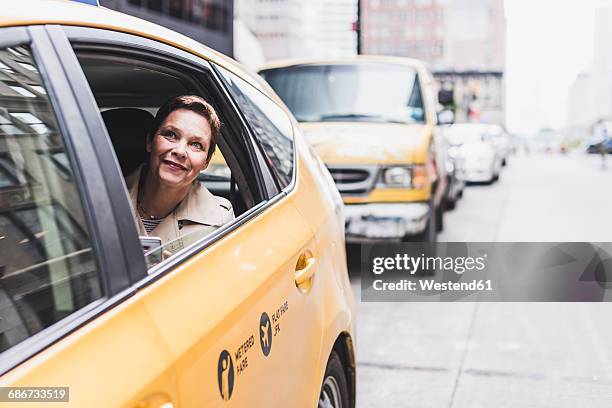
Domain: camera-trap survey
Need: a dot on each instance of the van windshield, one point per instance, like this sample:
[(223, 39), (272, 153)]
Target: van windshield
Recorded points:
[(372, 92)]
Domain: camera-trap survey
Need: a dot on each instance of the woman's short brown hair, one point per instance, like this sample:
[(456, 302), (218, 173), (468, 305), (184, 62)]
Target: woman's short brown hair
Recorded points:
[(195, 104)]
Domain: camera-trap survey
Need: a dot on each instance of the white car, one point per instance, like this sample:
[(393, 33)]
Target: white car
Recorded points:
[(500, 140), (481, 160)]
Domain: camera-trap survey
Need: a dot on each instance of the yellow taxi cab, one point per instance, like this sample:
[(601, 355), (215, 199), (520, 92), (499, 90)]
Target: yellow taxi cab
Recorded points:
[(372, 120), (258, 313)]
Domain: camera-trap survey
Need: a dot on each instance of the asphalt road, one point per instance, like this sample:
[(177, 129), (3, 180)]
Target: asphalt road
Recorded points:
[(500, 354)]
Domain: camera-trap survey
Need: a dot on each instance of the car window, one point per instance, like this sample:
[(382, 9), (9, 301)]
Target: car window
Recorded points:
[(269, 123), (47, 266), (129, 90)]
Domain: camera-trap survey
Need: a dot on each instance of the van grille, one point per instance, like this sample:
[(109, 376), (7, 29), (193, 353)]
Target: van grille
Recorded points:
[(354, 179)]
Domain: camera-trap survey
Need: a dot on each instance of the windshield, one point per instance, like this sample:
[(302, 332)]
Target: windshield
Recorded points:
[(366, 92)]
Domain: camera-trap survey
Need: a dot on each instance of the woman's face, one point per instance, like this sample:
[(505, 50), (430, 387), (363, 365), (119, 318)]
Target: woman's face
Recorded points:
[(179, 149)]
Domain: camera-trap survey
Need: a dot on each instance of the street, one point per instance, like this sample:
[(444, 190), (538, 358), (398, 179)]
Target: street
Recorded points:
[(500, 354)]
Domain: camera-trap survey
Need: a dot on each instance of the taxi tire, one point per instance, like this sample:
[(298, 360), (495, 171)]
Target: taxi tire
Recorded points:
[(440, 215), (430, 233), (452, 203), (334, 389)]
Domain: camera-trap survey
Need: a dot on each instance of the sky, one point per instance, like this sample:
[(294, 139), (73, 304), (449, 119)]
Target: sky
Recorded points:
[(549, 42)]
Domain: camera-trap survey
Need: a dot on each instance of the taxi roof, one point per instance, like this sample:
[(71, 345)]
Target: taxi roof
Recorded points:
[(348, 60), (65, 12)]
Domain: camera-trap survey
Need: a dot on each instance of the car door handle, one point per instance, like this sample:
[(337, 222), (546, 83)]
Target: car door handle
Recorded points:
[(304, 271)]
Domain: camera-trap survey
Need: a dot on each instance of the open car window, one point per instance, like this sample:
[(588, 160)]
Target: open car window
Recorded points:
[(129, 89)]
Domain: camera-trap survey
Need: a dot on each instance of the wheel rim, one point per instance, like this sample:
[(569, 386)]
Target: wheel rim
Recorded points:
[(330, 394)]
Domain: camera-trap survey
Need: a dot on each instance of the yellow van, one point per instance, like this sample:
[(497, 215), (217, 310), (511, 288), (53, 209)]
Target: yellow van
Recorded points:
[(372, 120), (257, 313)]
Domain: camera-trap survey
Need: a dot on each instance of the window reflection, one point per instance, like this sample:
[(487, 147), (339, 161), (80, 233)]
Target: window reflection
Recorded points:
[(47, 268), (269, 123)]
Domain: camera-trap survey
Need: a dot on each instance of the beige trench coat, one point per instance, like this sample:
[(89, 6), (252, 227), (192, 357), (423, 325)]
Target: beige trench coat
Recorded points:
[(199, 214)]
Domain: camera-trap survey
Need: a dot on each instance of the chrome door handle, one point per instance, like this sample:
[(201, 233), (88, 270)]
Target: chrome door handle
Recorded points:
[(305, 269)]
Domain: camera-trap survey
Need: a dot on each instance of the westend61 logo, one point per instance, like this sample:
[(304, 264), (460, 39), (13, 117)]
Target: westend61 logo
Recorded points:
[(424, 264)]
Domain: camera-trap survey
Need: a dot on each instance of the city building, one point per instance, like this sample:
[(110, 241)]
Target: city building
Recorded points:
[(461, 41), (207, 21), (581, 106), (590, 95), (294, 28)]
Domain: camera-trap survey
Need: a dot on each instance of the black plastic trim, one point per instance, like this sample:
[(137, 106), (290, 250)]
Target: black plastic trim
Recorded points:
[(88, 176), (112, 177)]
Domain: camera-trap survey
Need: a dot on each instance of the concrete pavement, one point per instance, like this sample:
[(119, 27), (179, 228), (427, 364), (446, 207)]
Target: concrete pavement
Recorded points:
[(500, 354)]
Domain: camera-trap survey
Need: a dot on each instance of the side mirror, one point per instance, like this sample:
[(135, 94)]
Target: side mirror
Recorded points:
[(446, 95), (446, 117)]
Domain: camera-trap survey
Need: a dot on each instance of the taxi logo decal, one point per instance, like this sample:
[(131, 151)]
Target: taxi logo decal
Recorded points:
[(265, 334), (225, 375)]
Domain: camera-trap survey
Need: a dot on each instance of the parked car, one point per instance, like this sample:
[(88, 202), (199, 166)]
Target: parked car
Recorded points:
[(500, 140), (372, 120), (595, 147), (482, 162), (229, 316)]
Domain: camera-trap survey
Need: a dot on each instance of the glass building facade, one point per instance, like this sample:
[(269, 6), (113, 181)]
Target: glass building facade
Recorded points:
[(207, 21)]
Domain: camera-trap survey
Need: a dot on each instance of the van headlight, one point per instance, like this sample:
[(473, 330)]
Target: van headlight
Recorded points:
[(396, 177), (413, 176)]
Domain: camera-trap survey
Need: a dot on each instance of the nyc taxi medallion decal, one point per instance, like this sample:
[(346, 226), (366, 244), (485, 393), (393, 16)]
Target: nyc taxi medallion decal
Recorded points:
[(265, 334), (267, 329), (225, 375)]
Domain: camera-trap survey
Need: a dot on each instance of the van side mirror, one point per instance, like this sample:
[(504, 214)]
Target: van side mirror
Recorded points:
[(446, 95)]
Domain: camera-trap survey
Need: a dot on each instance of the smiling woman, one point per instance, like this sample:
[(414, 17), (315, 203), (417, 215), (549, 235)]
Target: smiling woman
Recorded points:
[(167, 199)]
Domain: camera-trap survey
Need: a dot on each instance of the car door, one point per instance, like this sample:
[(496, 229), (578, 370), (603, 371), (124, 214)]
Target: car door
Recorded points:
[(237, 309), (67, 318)]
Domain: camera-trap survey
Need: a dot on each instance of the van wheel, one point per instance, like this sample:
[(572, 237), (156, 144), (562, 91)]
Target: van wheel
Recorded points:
[(430, 233), (334, 390)]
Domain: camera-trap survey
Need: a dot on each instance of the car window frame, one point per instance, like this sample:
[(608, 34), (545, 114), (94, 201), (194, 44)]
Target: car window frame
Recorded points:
[(91, 35), (103, 234), (138, 44)]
